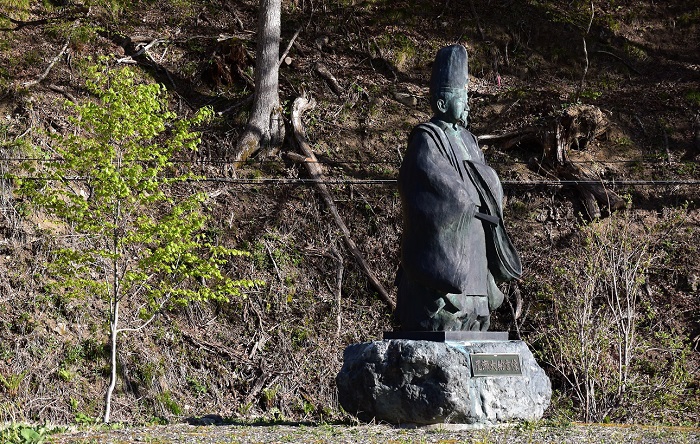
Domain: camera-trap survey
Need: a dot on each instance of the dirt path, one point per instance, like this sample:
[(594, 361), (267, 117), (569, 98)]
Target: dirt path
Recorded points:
[(328, 433)]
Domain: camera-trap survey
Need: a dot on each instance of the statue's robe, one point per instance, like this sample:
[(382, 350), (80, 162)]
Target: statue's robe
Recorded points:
[(454, 248)]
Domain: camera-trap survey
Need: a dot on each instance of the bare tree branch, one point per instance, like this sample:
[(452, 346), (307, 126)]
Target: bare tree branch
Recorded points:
[(585, 52), (301, 104)]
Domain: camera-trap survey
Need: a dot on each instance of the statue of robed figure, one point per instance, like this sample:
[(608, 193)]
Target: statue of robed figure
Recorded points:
[(454, 247)]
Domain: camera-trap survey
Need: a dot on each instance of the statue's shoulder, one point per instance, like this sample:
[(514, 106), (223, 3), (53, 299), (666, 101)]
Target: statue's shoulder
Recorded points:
[(427, 127), (419, 130), (427, 132)]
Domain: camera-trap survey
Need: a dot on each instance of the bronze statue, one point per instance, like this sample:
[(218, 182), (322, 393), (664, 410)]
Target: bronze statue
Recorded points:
[(454, 248)]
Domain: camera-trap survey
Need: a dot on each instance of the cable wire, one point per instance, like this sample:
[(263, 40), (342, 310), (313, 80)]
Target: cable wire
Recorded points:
[(356, 162), (338, 181)]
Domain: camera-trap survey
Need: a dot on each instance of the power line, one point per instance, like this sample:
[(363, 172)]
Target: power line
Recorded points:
[(601, 182), (267, 181), (338, 181), (358, 162)]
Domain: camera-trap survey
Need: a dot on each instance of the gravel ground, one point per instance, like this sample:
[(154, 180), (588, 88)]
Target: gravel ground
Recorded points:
[(574, 434)]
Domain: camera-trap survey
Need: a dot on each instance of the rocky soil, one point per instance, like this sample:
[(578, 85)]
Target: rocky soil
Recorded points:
[(330, 433)]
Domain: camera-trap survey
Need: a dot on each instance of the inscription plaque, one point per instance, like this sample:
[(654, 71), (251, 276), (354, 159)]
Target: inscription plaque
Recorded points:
[(488, 364)]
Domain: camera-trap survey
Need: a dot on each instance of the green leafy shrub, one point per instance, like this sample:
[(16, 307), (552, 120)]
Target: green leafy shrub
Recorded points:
[(12, 382), (169, 403), (25, 434), (135, 235)]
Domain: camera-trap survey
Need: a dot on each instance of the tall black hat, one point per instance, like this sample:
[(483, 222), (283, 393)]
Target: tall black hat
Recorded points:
[(449, 69)]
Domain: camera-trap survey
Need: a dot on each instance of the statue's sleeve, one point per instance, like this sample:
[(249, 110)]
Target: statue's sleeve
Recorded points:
[(503, 260), (438, 209)]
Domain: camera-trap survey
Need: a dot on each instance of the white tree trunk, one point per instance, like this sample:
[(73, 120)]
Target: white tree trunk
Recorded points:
[(113, 326), (265, 129)]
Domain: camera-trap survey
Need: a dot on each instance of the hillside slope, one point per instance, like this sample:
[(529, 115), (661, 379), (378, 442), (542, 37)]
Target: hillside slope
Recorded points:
[(276, 353)]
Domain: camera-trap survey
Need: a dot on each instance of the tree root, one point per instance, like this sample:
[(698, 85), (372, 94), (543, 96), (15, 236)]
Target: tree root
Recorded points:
[(575, 127)]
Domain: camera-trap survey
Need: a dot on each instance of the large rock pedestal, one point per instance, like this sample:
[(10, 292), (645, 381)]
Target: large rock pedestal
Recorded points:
[(424, 382)]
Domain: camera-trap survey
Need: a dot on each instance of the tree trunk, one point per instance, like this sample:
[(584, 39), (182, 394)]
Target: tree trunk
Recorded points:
[(113, 328), (114, 308), (265, 128)]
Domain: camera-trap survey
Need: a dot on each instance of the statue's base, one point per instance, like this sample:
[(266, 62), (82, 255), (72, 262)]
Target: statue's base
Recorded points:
[(427, 382)]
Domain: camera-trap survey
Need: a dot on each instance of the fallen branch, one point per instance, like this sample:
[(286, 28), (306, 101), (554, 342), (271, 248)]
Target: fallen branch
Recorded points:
[(215, 348), (517, 310), (272, 258), (246, 78), (329, 78), (141, 50), (301, 105), (236, 105), (21, 23), (62, 90), (624, 62), (258, 386), (497, 138), (136, 52), (289, 46), (48, 68)]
